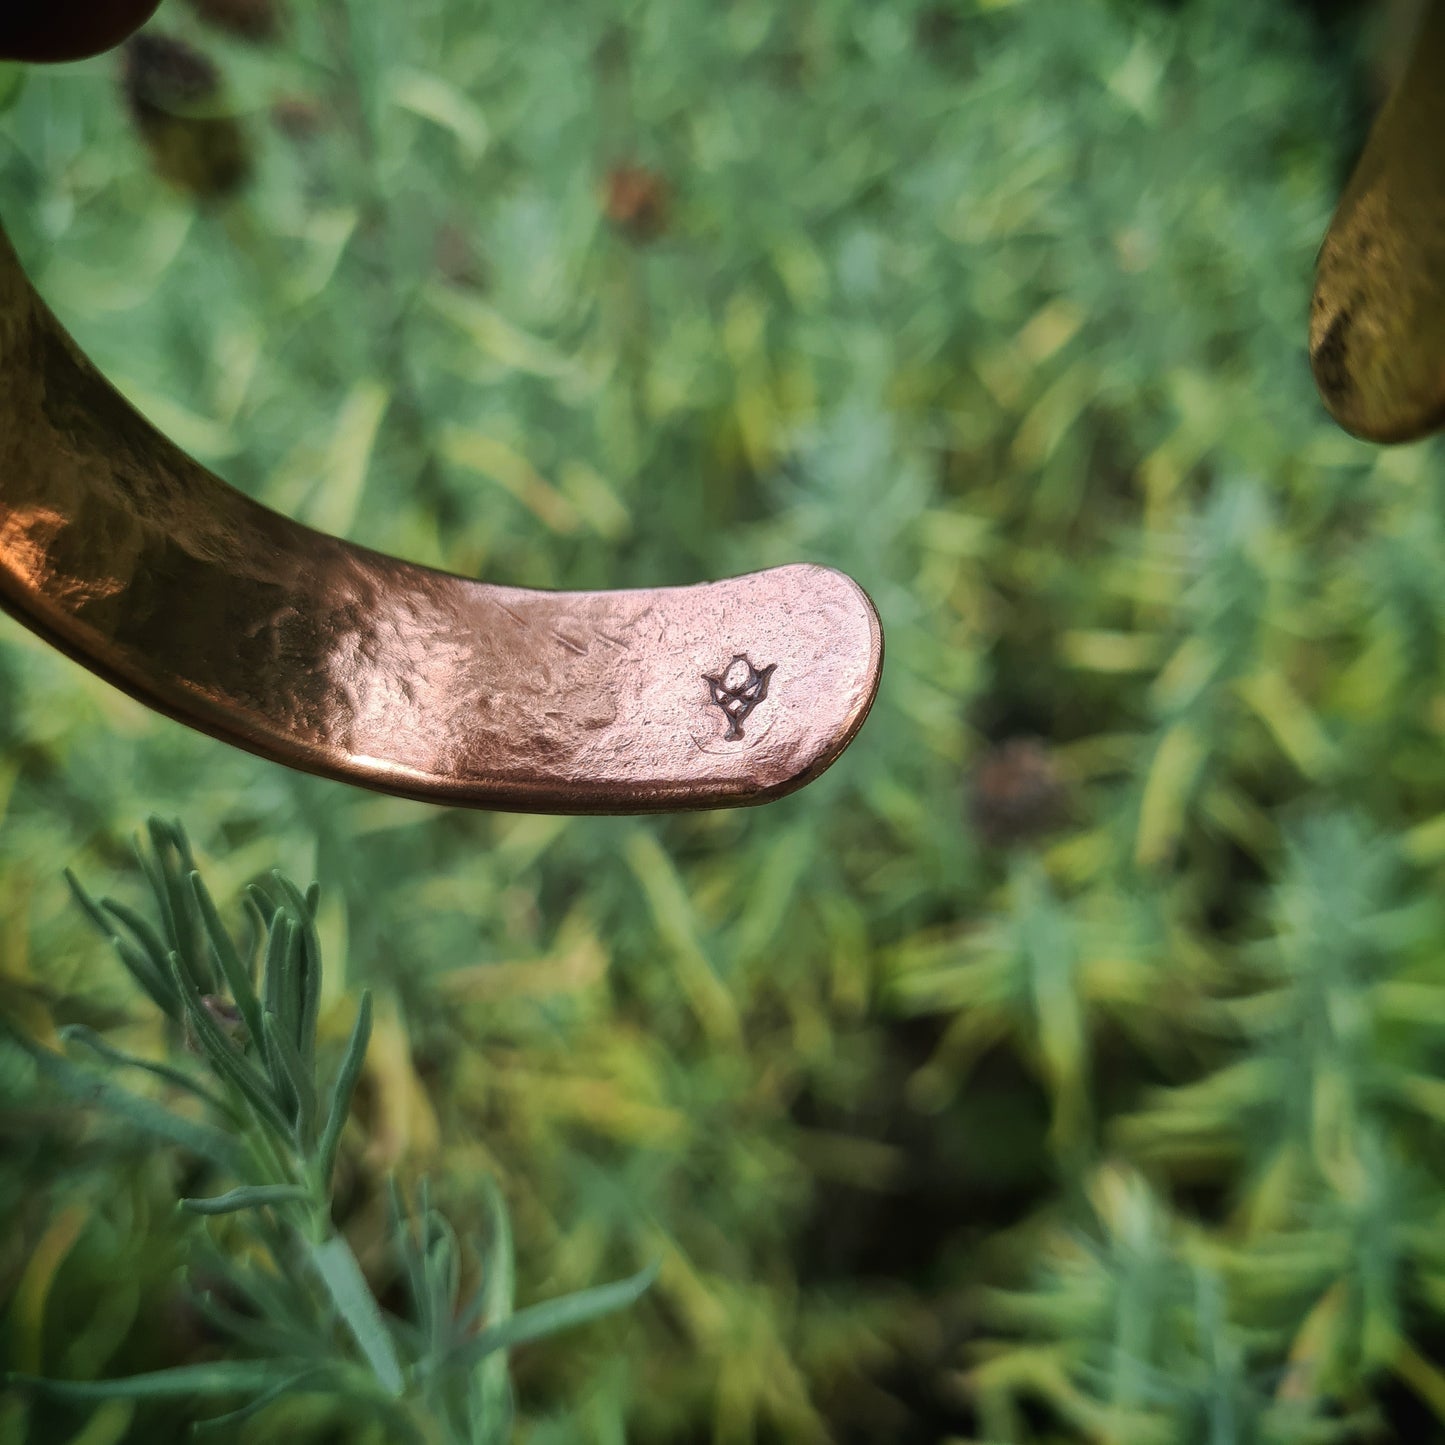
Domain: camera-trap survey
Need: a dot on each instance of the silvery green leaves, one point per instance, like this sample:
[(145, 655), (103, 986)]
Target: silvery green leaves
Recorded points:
[(460, 1364), (249, 1008), (283, 1283)]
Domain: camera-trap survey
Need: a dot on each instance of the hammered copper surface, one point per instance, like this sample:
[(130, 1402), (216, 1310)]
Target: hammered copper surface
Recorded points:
[(147, 569), (1377, 325)]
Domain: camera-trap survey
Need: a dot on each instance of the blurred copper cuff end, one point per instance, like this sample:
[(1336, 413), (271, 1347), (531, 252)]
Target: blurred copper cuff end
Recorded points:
[(1377, 323)]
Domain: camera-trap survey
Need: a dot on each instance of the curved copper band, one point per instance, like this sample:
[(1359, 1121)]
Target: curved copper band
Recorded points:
[(132, 558), (1377, 324)]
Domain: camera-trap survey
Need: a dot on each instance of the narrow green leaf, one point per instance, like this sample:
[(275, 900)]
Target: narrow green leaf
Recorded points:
[(310, 977), (446, 1252), (346, 1284), (237, 977), (78, 1033), (255, 937), (178, 909), (183, 846), (313, 898), (491, 1386), (441, 1274), (317, 1378), (152, 980), (224, 1056), (247, 1196), (408, 1245), (162, 841), (491, 1407), (554, 1315), (156, 878), (92, 1088), (88, 905), (494, 1300), (340, 1106), (309, 981), (278, 946), (285, 1299), (265, 904), (255, 1333), (288, 1071), (160, 991), (221, 1377), (146, 958), (177, 871), (500, 1285), (282, 1084), (146, 936)]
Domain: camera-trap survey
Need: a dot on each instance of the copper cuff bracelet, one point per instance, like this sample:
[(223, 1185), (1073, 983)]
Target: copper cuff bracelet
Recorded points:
[(124, 553)]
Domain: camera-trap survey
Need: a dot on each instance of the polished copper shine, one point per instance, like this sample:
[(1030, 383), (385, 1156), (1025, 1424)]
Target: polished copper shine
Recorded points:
[(149, 570)]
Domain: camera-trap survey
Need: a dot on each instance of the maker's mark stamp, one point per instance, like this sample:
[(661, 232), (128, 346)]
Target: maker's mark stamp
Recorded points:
[(737, 690)]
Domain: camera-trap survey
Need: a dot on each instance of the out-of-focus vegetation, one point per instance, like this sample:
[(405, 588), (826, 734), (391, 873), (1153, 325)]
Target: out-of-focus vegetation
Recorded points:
[(1069, 1062)]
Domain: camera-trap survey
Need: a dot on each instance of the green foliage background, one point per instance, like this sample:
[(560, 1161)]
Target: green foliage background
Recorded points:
[(1129, 1133)]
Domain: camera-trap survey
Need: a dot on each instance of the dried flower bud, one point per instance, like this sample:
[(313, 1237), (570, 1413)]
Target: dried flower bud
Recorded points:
[(636, 200), (255, 20), (176, 98), (224, 1014), (1017, 793)]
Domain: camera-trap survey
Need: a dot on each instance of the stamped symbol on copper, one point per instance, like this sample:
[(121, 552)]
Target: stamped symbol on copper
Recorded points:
[(737, 690)]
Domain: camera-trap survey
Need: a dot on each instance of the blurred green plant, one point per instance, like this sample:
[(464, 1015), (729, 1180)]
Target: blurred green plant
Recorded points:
[(1000, 307), (1127, 1334), (284, 1286)]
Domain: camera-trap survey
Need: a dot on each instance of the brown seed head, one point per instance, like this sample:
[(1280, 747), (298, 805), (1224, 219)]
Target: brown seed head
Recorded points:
[(637, 201), (1017, 793)]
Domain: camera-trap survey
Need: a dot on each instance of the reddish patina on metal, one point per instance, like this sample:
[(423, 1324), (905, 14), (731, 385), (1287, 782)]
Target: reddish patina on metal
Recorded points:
[(146, 568)]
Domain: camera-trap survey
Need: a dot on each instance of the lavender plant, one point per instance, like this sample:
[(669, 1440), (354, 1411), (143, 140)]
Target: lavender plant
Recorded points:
[(252, 1099)]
